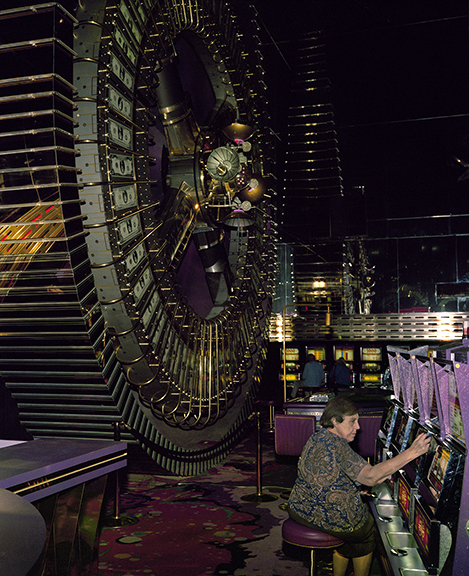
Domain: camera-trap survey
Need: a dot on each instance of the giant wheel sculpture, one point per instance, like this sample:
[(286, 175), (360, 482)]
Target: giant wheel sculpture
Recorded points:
[(138, 252)]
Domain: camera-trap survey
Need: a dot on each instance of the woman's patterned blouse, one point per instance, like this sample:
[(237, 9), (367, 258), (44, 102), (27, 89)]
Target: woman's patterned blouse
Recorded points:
[(325, 492)]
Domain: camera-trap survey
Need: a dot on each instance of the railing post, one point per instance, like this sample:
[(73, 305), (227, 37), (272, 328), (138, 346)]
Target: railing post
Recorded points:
[(118, 520), (259, 496)]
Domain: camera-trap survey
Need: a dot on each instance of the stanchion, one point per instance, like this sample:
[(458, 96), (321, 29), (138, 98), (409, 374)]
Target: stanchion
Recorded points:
[(118, 520), (259, 496)]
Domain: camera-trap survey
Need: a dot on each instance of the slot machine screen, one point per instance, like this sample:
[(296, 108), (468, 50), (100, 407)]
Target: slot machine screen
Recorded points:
[(345, 352), (437, 471), (379, 450), (292, 355), (389, 419), (403, 497), (399, 431), (422, 527), (319, 353), (415, 430), (411, 433), (371, 354)]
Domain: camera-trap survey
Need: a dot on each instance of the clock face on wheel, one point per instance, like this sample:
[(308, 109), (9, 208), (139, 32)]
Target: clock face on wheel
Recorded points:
[(176, 184)]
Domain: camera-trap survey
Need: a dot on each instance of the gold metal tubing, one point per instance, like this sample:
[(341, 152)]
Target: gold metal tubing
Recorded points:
[(52, 239), (179, 342), (150, 402), (35, 96), (116, 182), (158, 347), (39, 149), (186, 358), (120, 299), (36, 113), (131, 362), (23, 133), (138, 384)]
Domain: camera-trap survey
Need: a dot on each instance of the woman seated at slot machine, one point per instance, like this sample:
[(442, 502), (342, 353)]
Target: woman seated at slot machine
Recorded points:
[(341, 375), (327, 495)]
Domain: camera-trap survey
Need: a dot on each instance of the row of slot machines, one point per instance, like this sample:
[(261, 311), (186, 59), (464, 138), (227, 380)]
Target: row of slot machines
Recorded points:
[(366, 362), (422, 511)]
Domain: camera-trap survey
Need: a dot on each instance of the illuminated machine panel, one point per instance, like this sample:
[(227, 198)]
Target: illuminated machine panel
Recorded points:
[(422, 516), (404, 497), (137, 255), (437, 472), (426, 530), (318, 351), (371, 365), (345, 352), (399, 431), (292, 365)]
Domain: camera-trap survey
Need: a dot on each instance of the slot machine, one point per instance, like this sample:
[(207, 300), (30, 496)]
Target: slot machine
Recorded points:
[(393, 415), (348, 354), (371, 366), (290, 367), (403, 411), (319, 353), (422, 511)]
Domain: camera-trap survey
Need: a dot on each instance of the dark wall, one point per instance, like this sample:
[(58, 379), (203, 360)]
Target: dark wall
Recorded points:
[(10, 426)]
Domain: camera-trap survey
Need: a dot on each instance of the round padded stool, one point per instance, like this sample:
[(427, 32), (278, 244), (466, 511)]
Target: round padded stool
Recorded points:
[(306, 537)]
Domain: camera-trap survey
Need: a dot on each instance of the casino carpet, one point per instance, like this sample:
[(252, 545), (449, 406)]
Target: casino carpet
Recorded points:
[(201, 526)]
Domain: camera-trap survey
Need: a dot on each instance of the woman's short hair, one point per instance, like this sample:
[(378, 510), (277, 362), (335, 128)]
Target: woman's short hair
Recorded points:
[(338, 407)]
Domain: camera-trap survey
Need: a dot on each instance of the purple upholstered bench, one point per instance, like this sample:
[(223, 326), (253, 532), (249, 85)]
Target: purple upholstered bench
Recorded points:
[(291, 433)]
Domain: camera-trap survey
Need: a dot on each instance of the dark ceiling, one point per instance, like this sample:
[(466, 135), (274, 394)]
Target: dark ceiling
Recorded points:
[(400, 93), (400, 90)]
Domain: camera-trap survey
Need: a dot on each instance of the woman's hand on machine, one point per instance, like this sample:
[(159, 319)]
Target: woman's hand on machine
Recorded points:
[(420, 445)]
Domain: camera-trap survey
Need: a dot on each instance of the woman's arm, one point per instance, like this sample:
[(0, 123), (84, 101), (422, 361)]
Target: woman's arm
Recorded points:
[(371, 475)]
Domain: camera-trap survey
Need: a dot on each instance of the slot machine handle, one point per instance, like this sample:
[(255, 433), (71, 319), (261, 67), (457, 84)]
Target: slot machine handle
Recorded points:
[(399, 552)]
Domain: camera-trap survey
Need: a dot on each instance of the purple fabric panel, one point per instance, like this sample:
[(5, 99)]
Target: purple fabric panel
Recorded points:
[(291, 433), (366, 437)]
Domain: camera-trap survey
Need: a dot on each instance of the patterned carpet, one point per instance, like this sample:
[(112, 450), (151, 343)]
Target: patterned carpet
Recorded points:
[(201, 526)]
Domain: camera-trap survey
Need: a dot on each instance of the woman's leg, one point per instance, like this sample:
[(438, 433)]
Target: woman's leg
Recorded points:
[(339, 564), (362, 565)]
